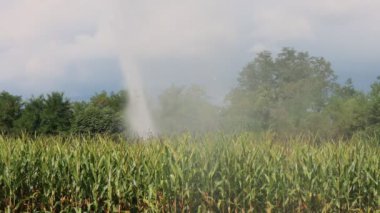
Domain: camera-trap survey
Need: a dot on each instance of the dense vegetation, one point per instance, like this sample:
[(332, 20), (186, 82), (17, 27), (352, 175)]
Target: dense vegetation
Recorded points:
[(54, 114), (290, 93), (294, 140), (239, 173), (294, 93)]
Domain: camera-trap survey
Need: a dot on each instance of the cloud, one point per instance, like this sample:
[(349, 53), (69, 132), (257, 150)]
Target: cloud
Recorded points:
[(39, 40), (165, 28)]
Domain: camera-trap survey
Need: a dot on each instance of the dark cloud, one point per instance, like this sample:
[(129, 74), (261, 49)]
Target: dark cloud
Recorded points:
[(73, 45)]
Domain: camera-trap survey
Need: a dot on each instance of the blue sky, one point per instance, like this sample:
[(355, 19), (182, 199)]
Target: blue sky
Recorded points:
[(75, 46)]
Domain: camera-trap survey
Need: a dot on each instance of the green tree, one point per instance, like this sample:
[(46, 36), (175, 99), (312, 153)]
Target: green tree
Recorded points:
[(31, 116), (186, 109), (95, 120), (373, 114), (116, 101), (10, 111), (347, 110), (103, 114), (285, 94), (57, 114)]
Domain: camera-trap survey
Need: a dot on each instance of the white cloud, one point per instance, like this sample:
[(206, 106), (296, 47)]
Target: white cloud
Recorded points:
[(39, 38), (174, 27)]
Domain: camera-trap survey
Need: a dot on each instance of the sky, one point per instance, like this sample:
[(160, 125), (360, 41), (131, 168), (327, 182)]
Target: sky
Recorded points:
[(75, 46)]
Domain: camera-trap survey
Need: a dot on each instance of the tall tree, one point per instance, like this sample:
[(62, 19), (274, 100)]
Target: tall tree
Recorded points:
[(10, 111), (103, 114), (346, 110), (115, 101), (31, 117), (186, 109), (57, 114), (95, 120), (285, 93), (373, 117)]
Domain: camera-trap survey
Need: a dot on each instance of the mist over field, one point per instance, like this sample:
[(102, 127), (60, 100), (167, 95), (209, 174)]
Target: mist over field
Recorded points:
[(153, 49), (181, 43), (189, 106)]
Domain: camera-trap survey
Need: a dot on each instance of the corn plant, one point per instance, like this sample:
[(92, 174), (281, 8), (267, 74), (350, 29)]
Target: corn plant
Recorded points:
[(187, 173)]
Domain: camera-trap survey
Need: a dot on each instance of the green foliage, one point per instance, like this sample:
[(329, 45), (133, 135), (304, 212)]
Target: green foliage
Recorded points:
[(54, 114), (96, 120), (10, 110), (285, 94), (289, 93), (57, 115), (103, 114), (31, 116), (115, 101), (186, 109), (214, 173), (347, 110), (373, 114)]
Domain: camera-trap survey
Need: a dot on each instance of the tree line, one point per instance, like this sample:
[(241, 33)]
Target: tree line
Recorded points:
[(54, 114), (295, 92), (289, 93)]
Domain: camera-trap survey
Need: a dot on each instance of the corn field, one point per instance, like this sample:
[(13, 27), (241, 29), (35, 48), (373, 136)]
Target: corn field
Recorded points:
[(215, 173)]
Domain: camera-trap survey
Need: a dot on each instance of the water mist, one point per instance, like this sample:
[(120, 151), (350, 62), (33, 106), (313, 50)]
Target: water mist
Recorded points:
[(145, 30), (125, 21), (138, 114)]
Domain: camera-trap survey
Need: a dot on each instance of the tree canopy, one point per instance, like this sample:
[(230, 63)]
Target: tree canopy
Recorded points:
[(186, 109), (283, 93), (10, 111), (291, 92), (54, 114), (294, 92)]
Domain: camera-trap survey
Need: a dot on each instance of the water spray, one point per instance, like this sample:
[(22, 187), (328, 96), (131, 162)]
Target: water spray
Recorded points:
[(138, 114)]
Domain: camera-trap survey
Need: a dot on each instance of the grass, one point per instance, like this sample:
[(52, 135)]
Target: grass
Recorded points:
[(243, 172)]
